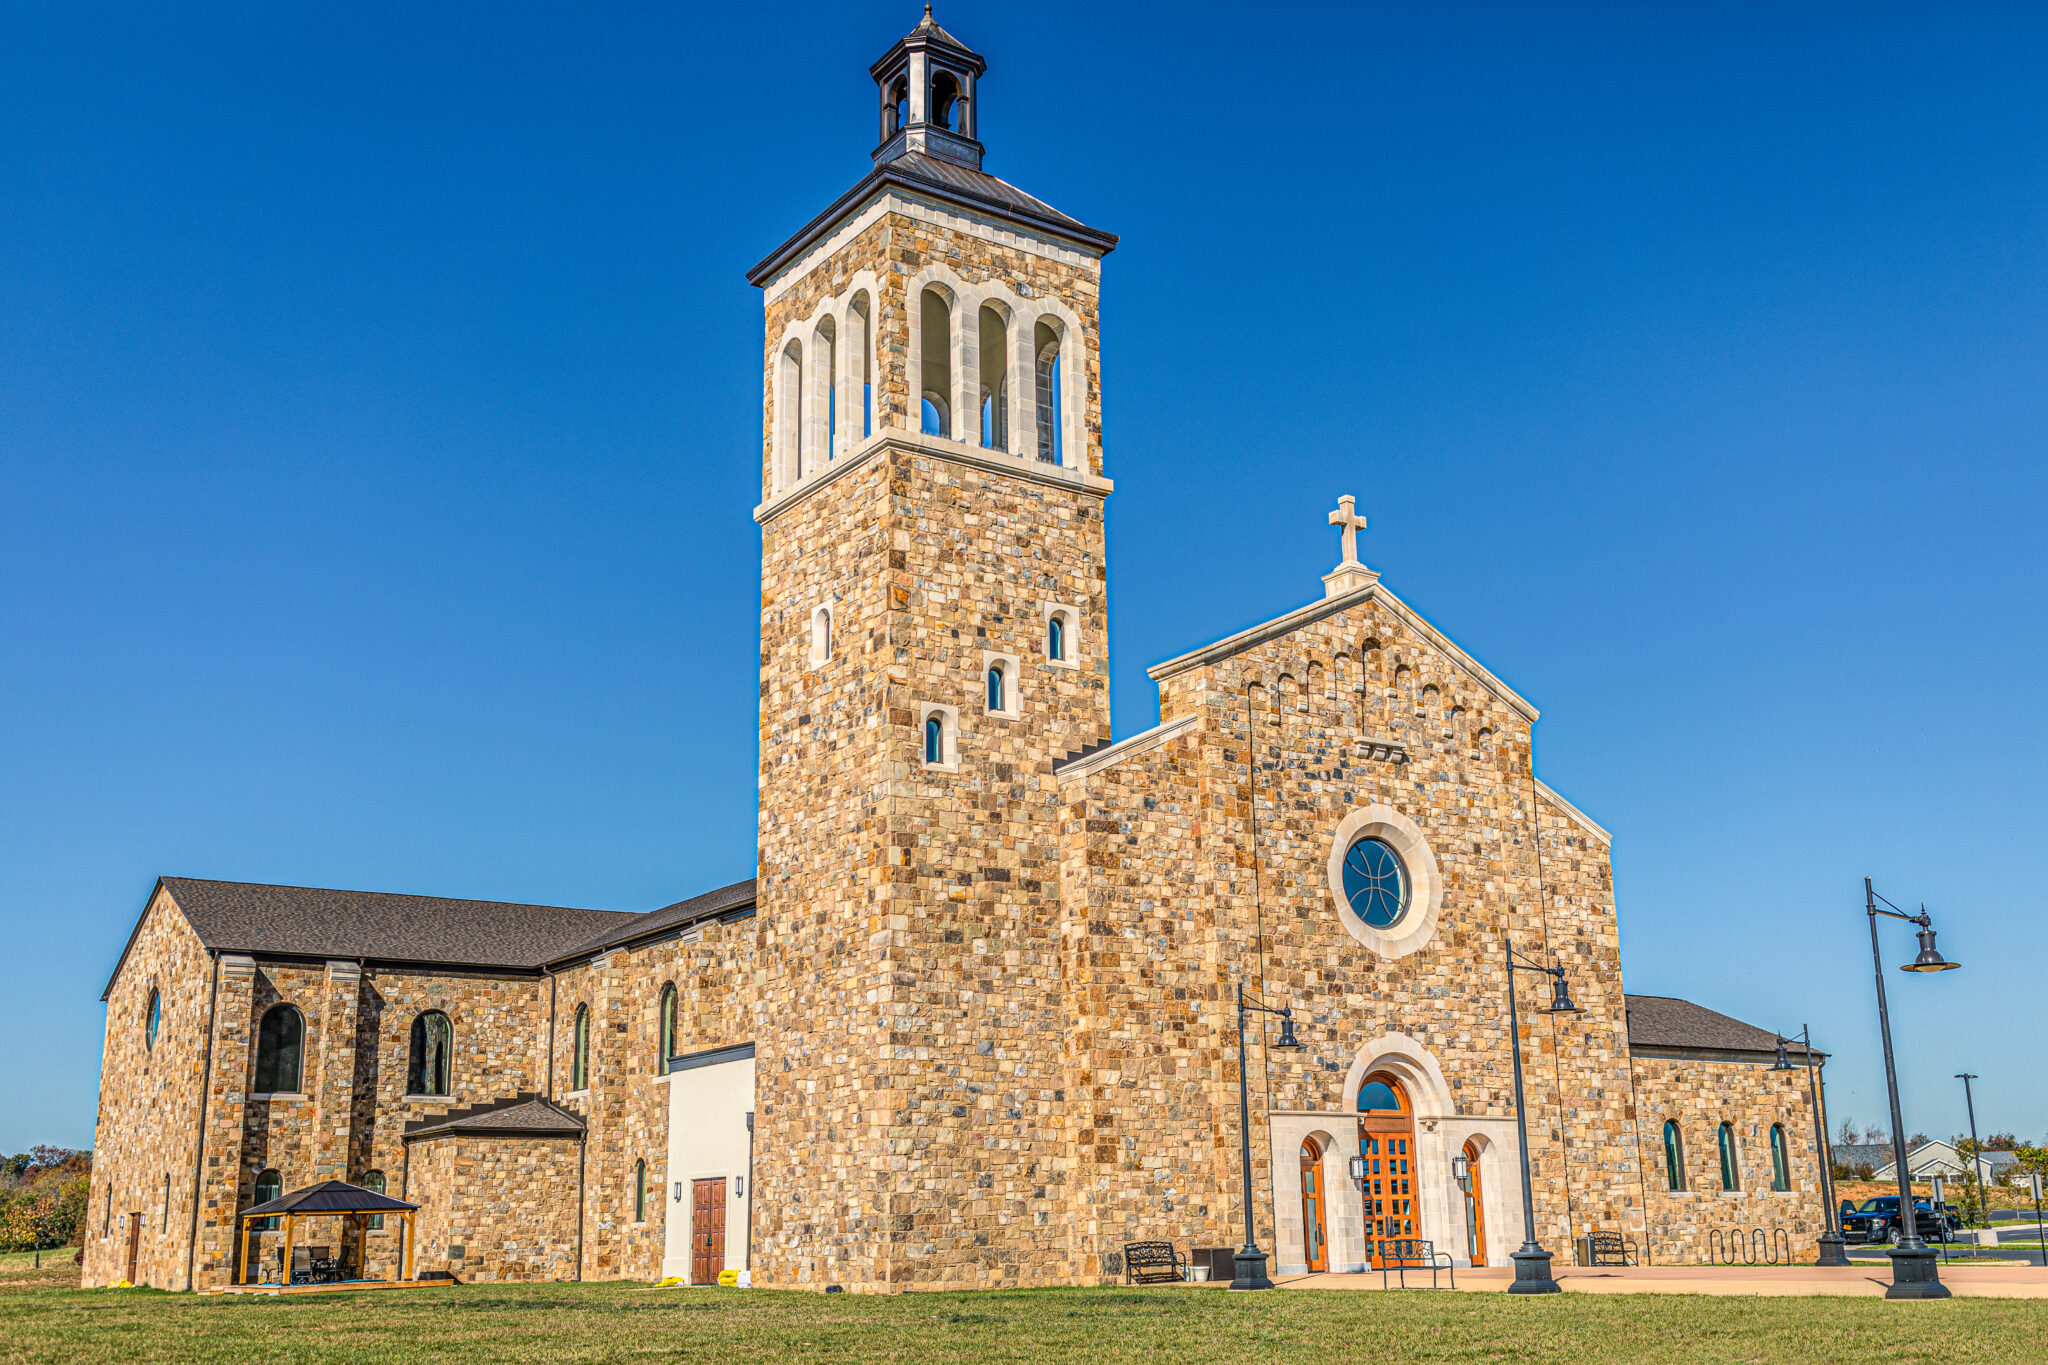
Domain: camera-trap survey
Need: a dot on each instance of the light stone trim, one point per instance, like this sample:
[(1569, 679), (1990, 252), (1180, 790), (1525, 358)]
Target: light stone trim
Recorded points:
[(1316, 611), (237, 967), (1415, 929), (893, 199), (1569, 809), (1142, 742), (1031, 470)]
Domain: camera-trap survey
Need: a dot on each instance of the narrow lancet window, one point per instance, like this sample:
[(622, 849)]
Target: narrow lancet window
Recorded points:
[(1056, 639), (995, 386), (934, 740), (935, 342), (1046, 365), (995, 689), (433, 1043), (579, 1057)]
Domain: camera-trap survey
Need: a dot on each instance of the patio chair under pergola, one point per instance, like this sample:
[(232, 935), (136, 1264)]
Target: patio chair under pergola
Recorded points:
[(329, 1198)]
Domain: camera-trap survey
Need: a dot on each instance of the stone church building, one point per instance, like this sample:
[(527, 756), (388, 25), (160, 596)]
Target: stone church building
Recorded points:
[(974, 1021)]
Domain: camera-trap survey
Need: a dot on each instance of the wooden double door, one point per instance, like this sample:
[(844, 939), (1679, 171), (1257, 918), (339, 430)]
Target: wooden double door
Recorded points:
[(1386, 1139), (707, 1230)]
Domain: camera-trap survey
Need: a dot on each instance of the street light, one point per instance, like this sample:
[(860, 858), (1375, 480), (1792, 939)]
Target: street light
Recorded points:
[(1251, 1262), (1976, 1155), (1532, 1262), (1832, 1249), (1916, 1273)]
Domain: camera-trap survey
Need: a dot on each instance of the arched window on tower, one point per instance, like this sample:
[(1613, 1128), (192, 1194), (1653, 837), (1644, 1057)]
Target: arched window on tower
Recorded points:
[(1056, 637), (1045, 350), (280, 1051), (935, 342), (433, 1044), (995, 379), (579, 1055), (997, 697), (821, 634), (861, 338), (789, 413), (1674, 1157), (899, 107)]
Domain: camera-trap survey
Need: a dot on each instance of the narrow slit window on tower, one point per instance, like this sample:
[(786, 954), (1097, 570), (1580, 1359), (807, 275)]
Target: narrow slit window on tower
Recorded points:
[(1056, 639), (1046, 366), (935, 338), (934, 740), (640, 1191), (666, 1047), (995, 375), (997, 697), (821, 634)]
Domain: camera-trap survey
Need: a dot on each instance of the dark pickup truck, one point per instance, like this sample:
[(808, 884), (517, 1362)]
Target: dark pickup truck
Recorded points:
[(1878, 1221)]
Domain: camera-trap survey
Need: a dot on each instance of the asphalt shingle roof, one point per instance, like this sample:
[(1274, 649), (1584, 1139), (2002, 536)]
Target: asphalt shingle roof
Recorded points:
[(526, 1115), (330, 1196), (304, 921), (726, 898), (1666, 1021)]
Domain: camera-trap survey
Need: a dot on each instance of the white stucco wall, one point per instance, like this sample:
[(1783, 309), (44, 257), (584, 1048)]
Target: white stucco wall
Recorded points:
[(708, 1107)]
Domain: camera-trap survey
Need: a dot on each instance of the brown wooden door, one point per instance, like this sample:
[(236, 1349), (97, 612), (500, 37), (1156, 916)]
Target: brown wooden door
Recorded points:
[(1313, 1232), (134, 1244), (1475, 1208), (1386, 1139), (707, 1230)]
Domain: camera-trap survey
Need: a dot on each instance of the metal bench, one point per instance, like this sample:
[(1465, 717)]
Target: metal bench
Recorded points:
[(1609, 1248), (1153, 1263), (1399, 1255)]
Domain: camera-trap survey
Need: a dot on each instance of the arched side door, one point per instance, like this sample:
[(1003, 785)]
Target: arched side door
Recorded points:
[(1386, 1139), (1314, 1231), (1475, 1208)]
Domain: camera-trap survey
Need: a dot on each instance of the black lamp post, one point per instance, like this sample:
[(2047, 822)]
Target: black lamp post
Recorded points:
[(1833, 1251), (1251, 1262), (1976, 1155), (1916, 1271), (1532, 1262)]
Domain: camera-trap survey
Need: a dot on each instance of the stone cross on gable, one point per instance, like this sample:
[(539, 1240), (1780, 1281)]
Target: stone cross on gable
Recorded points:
[(1351, 523), (1349, 575)]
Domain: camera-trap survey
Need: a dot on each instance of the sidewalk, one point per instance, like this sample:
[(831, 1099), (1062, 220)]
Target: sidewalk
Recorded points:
[(1989, 1280)]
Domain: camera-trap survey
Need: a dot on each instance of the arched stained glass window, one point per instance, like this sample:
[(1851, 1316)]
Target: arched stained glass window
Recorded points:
[(1781, 1165), (280, 1051), (1375, 882), (579, 1057), (1728, 1176), (1674, 1156), (373, 1181), (996, 698), (152, 1019), (269, 1186), (668, 1028), (1377, 1095), (934, 740), (432, 1057)]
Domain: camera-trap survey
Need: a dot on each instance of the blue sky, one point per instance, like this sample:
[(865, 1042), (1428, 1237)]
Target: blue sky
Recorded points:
[(379, 427)]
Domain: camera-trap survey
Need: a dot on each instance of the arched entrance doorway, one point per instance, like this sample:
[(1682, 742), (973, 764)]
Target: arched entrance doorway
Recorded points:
[(1386, 1139), (1313, 1230), (1475, 1208)]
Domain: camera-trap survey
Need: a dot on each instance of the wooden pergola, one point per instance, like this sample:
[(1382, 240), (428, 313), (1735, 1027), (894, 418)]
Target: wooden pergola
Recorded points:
[(328, 1199)]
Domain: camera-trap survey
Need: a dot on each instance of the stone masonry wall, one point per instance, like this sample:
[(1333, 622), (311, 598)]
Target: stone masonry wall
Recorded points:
[(496, 1209), (145, 1144), (1701, 1094)]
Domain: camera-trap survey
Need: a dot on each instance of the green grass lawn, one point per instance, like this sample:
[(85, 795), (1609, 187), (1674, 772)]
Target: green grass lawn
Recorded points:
[(481, 1325)]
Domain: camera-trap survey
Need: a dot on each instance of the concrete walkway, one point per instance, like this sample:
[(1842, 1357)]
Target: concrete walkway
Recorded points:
[(2009, 1280)]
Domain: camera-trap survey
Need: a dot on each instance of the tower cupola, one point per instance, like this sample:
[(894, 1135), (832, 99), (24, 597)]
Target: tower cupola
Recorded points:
[(929, 100)]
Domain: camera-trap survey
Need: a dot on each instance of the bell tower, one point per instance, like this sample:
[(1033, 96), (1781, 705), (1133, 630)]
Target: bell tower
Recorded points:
[(933, 639)]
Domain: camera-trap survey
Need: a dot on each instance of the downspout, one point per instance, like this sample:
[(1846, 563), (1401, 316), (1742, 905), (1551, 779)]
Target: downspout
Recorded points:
[(749, 1261), (551, 1058), (582, 1160), (199, 1153)]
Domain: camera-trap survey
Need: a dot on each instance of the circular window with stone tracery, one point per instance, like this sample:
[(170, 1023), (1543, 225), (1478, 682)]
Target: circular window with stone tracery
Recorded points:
[(1375, 883)]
